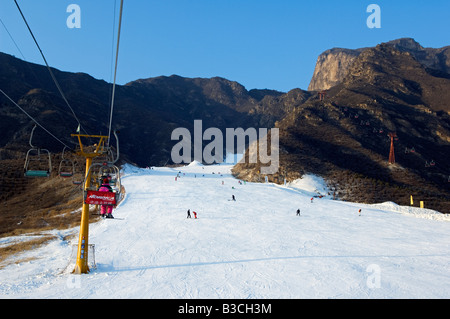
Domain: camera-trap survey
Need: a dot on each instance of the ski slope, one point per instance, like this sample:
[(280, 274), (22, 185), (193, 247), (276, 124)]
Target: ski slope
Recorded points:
[(254, 247)]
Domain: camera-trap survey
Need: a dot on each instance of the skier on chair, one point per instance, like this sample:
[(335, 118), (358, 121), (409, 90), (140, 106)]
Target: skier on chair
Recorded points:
[(106, 210)]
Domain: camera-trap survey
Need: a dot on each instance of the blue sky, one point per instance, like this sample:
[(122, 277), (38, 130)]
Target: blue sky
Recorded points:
[(258, 43)]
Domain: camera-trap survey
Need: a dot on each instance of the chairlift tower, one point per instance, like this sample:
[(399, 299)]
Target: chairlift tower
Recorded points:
[(393, 136), (321, 95), (89, 153)]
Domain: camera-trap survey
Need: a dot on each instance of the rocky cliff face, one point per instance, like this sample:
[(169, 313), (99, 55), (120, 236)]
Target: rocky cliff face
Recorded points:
[(333, 65)]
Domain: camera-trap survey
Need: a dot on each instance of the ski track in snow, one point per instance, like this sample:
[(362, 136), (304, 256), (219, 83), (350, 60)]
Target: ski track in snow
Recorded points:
[(254, 247)]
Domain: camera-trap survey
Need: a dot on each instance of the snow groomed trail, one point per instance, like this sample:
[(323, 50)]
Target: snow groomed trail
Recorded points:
[(254, 247)]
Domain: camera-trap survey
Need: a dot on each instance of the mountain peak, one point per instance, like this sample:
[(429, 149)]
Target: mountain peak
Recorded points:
[(405, 44), (332, 65)]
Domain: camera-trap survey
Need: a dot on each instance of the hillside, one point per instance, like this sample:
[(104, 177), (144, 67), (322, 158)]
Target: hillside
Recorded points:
[(146, 111), (30, 205)]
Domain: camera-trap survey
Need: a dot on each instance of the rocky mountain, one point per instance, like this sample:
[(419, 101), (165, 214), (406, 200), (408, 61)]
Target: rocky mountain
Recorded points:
[(344, 137), (145, 111), (332, 65)]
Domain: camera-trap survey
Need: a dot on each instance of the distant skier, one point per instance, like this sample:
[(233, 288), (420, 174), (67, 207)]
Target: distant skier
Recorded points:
[(359, 212), (312, 198), (298, 212), (106, 210), (233, 198), (195, 215), (188, 213)]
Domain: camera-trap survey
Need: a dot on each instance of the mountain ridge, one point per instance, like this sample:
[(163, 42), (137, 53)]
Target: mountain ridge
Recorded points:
[(332, 65)]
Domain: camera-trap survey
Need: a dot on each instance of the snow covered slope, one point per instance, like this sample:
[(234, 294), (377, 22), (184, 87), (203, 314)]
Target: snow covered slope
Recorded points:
[(254, 247)]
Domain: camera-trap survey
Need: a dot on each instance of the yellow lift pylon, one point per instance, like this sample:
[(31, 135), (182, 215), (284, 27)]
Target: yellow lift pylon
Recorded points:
[(99, 149)]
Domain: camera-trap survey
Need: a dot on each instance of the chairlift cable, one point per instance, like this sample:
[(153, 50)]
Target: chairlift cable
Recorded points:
[(37, 123), (12, 39), (112, 44), (115, 70), (112, 50), (48, 67)]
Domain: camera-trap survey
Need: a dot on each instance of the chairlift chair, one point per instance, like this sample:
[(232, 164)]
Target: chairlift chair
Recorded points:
[(78, 174), (37, 164), (77, 179), (96, 171), (66, 166)]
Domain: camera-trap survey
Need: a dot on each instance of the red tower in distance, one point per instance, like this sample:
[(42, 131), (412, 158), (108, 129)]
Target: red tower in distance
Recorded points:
[(391, 152), (321, 95)]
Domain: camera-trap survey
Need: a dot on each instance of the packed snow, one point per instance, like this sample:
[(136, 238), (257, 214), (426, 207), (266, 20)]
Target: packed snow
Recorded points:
[(253, 247)]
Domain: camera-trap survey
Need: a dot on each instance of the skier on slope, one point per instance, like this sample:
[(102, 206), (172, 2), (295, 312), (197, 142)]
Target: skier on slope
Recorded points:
[(298, 212), (106, 210), (188, 213)]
